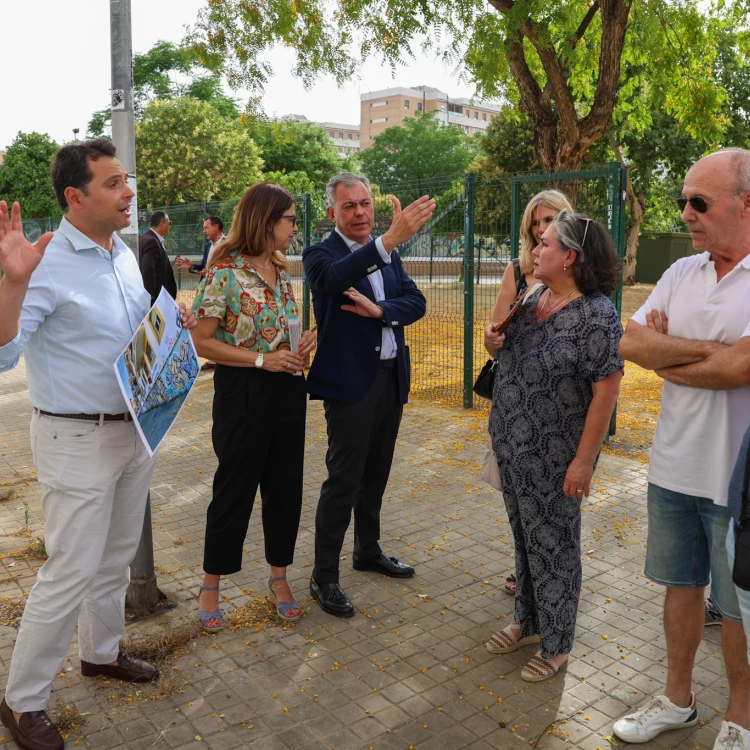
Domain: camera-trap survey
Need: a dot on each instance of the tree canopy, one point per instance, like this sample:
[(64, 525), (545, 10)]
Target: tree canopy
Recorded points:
[(25, 175), (169, 71), (186, 152), (289, 146), (417, 153), (566, 65)]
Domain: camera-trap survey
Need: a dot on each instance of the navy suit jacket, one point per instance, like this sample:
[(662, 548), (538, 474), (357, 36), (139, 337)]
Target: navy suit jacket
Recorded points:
[(156, 268), (198, 267), (348, 354)]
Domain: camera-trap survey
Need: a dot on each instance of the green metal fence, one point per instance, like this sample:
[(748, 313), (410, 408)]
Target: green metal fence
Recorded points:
[(457, 260)]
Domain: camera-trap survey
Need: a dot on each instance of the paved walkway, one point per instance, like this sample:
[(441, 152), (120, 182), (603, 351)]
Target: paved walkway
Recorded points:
[(410, 669)]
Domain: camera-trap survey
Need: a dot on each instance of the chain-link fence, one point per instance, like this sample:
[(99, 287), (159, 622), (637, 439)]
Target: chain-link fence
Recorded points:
[(457, 259)]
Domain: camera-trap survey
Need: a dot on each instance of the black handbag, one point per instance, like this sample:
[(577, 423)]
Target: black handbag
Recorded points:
[(485, 380), (741, 570)]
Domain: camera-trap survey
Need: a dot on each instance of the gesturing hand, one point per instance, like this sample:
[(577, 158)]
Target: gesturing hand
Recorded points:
[(362, 305), (408, 222), (184, 264), (18, 257)]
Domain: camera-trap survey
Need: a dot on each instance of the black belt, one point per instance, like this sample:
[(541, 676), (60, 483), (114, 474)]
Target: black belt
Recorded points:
[(89, 417), (388, 362)]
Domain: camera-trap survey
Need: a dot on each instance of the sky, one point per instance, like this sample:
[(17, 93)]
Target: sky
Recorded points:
[(56, 59)]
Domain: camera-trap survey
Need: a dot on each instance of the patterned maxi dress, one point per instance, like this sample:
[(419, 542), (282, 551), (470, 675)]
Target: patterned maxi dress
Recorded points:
[(542, 393)]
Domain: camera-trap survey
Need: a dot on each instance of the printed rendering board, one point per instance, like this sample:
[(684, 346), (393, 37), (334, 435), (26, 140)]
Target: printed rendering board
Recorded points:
[(157, 370)]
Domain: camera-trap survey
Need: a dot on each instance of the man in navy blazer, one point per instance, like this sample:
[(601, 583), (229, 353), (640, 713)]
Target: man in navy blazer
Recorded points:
[(362, 298), (213, 228)]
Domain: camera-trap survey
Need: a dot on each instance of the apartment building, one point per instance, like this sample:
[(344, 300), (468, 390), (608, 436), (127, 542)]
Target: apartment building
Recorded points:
[(384, 109), (344, 137)]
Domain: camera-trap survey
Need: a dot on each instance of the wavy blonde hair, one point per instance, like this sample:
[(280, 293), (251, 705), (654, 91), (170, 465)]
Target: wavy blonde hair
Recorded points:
[(555, 200), (254, 218)]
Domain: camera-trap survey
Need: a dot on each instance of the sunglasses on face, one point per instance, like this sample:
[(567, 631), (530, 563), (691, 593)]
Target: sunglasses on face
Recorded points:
[(697, 203), (292, 219)]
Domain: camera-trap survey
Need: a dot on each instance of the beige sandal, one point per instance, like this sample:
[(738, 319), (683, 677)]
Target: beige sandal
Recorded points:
[(505, 641), (540, 669)]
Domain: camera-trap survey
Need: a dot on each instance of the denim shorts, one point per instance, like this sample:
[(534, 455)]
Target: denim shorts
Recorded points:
[(687, 546), (742, 596)]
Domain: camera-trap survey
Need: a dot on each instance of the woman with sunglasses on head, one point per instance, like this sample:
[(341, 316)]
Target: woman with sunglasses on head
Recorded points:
[(243, 307), (539, 213), (556, 386)]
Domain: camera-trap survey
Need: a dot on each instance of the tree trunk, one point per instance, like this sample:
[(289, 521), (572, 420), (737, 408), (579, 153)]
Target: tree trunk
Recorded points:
[(631, 254), (636, 209)]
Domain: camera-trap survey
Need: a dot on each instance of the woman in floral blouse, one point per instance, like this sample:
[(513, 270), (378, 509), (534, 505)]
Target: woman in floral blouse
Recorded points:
[(243, 308)]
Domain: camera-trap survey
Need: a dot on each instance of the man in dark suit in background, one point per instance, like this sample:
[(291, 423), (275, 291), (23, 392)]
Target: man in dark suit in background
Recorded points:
[(213, 228), (362, 298), (156, 267)]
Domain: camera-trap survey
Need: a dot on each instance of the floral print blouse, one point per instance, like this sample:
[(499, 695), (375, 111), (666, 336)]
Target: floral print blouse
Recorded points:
[(251, 314)]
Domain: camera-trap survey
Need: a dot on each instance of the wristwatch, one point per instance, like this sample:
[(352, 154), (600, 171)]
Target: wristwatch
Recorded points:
[(259, 361)]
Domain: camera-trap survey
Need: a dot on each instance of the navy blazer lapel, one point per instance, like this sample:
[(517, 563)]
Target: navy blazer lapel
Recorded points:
[(363, 286)]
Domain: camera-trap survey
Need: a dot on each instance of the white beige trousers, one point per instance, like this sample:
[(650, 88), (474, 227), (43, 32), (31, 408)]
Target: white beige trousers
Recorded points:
[(95, 480)]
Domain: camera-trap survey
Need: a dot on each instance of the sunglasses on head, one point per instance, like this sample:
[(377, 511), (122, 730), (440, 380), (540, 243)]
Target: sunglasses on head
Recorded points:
[(696, 202)]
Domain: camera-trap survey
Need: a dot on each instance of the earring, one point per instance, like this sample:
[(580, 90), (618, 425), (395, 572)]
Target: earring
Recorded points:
[(565, 268)]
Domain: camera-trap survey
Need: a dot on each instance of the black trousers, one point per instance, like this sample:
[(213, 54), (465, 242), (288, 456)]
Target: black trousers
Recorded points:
[(259, 439), (361, 441)]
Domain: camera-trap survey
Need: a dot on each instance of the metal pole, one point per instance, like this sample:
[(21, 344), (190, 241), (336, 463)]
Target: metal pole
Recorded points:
[(432, 252), (469, 293), (142, 594)]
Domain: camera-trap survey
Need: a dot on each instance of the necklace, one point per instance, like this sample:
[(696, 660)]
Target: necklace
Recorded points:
[(540, 314), (259, 265)]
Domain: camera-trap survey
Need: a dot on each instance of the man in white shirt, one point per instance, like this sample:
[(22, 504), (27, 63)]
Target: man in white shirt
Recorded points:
[(71, 303), (698, 313)]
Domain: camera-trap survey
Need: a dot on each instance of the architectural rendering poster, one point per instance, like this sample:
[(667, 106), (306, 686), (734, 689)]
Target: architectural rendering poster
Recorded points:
[(157, 370)]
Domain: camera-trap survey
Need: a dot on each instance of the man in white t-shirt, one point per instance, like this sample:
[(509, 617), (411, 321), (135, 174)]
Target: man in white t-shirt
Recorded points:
[(698, 315)]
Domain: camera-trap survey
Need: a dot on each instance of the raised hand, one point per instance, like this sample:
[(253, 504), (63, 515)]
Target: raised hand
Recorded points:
[(407, 222), (18, 257)]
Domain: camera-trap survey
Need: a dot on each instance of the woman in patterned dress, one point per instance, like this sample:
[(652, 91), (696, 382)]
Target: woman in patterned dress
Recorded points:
[(243, 308), (539, 213), (556, 386)]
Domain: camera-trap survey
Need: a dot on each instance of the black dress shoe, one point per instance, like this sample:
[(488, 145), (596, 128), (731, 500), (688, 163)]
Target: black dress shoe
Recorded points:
[(127, 669), (388, 566), (33, 731), (331, 598)]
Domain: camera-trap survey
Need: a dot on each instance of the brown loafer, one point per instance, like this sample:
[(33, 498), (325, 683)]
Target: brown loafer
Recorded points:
[(34, 731), (128, 669)]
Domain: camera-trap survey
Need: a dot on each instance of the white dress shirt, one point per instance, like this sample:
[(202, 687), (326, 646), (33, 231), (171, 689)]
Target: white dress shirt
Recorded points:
[(388, 348), (82, 308), (699, 431)]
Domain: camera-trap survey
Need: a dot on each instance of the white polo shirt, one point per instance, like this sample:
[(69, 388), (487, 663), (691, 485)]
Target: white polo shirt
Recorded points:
[(699, 431)]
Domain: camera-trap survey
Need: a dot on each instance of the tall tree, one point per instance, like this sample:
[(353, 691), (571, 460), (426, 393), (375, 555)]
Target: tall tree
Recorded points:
[(289, 146), (560, 63), (417, 153), (169, 71), (25, 175), (187, 152)]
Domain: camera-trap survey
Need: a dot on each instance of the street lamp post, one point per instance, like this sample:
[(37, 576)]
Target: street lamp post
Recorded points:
[(142, 595)]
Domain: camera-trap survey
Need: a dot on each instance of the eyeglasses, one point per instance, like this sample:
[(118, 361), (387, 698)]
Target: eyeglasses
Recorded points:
[(292, 218), (696, 202)]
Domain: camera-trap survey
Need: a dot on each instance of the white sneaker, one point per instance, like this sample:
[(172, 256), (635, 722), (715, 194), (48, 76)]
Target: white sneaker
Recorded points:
[(657, 716), (732, 737)]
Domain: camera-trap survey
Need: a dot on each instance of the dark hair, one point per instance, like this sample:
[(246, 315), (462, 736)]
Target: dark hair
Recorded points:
[(597, 266), (156, 218), (71, 166), (216, 221), (251, 233)]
